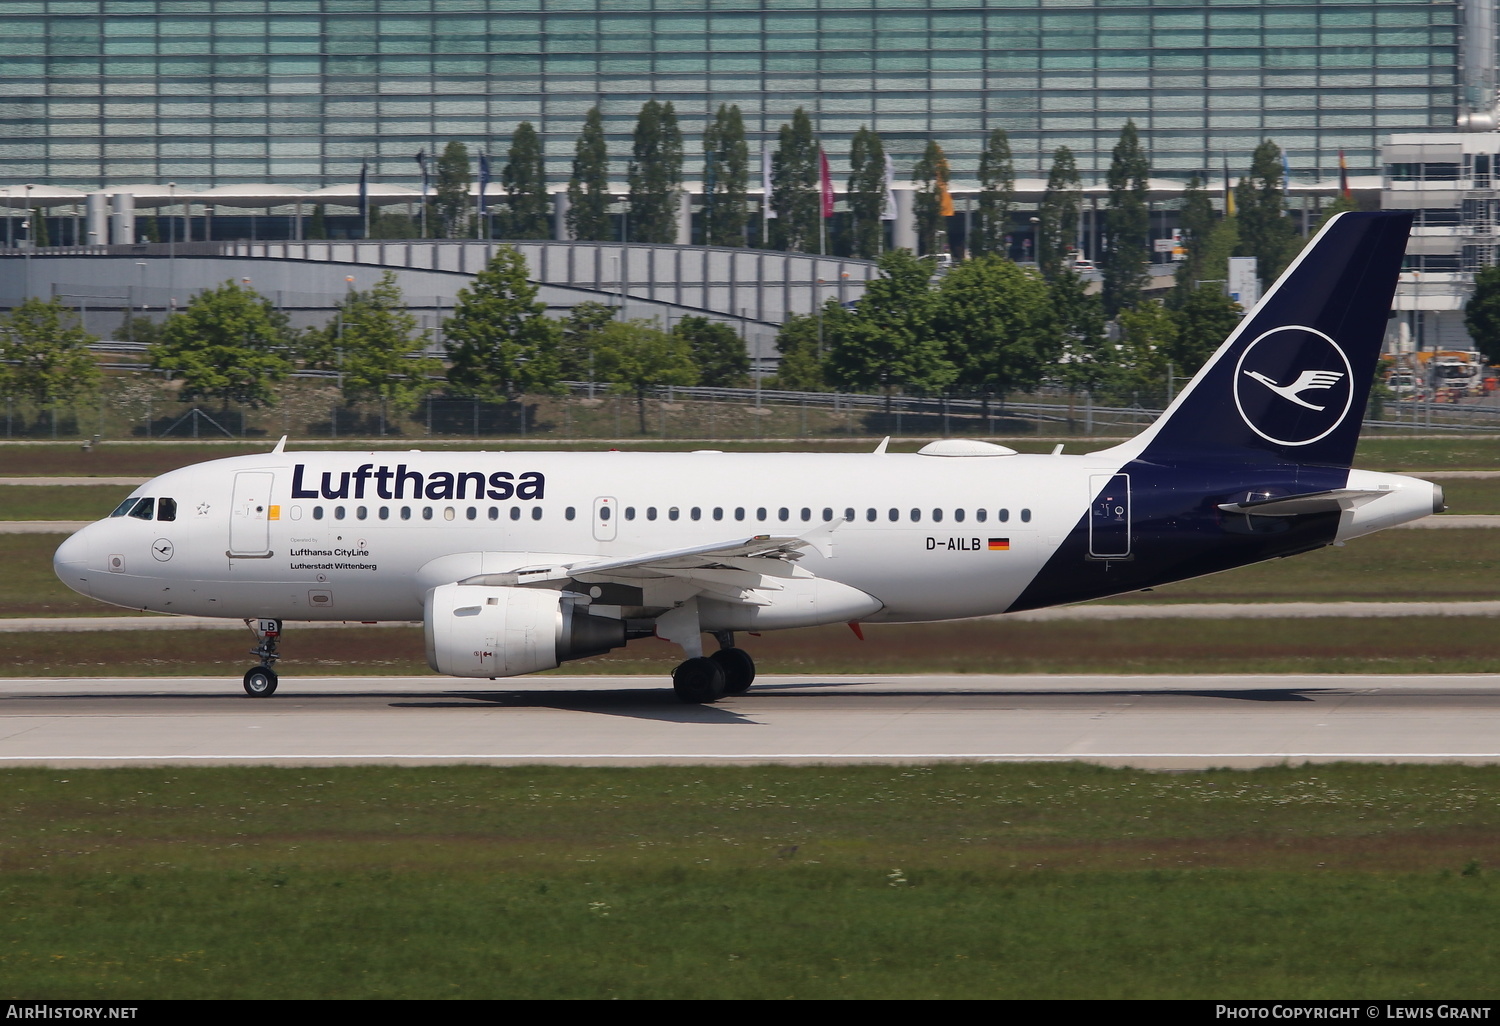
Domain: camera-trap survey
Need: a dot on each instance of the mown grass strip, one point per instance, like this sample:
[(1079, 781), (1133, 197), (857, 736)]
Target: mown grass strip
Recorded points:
[(1407, 645), (872, 881)]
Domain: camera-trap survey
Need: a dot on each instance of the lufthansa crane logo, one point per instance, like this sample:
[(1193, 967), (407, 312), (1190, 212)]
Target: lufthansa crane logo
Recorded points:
[(1293, 385)]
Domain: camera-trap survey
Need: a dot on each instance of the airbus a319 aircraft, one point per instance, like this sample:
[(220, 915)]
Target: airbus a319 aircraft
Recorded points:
[(516, 562)]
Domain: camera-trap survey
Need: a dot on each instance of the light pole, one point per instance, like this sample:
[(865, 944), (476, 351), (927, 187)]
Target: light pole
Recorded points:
[(26, 226), (140, 296), (171, 248)]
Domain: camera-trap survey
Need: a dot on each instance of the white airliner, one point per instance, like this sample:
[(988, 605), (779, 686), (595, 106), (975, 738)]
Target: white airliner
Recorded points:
[(518, 561)]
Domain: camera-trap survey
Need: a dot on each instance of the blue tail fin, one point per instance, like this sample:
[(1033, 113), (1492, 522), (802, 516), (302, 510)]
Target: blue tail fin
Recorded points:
[(1291, 382)]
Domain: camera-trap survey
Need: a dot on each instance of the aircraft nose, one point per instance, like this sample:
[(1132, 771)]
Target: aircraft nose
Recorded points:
[(71, 562)]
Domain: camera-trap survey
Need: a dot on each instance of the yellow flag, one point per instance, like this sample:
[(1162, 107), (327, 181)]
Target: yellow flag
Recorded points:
[(945, 198)]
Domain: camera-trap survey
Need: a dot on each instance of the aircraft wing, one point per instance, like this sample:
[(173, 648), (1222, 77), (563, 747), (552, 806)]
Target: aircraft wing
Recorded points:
[(733, 569), (1330, 501)]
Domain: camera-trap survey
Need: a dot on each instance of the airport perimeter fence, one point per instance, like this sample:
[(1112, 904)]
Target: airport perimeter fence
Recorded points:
[(310, 406)]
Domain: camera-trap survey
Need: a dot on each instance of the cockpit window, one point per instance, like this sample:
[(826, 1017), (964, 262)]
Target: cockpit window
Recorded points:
[(166, 509), (143, 509), (124, 507)]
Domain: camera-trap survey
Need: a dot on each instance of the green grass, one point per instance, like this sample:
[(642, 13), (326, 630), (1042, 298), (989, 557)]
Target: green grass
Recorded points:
[(750, 882), (1399, 453), (59, 502), (1407, 645)]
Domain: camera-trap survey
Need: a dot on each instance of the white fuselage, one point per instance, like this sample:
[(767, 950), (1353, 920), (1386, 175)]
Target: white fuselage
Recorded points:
[(346, 537)]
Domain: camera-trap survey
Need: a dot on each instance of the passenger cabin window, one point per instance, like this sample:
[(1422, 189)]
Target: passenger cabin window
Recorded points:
[(981, 515), (361, 512), (494, 512), (958, 515), (629, 512), (472, 513), (739, 512), (426, 512), (317, 512), (515, 512), (1025, 516), (696, 514), (166, 509), (385, 513), (650, 512), (1004, 515), (870, 514), (673, 513), (570, 513), (405, 512), (536, 512)]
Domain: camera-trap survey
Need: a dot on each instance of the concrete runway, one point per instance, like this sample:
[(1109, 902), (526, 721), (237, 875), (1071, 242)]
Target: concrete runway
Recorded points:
[(1161, 722)]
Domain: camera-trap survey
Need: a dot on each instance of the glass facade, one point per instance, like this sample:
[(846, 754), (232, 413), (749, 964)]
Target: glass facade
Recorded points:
[(98, 93)]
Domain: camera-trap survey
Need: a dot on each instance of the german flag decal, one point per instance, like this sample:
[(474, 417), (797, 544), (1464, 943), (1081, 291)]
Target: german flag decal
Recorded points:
[(999, 544)]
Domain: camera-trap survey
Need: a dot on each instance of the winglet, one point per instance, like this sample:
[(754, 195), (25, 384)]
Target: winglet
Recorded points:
[(280, 446), (884, 444)]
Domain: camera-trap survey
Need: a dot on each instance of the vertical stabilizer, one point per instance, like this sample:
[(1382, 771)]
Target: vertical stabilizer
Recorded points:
[(1291, 382)]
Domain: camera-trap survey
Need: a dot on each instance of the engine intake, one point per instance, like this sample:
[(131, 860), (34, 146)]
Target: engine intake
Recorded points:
[(478, 631)]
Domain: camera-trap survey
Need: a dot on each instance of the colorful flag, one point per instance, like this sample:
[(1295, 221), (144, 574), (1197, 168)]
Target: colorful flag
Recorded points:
[(888, 208), (484, 183), (422, 163), (945, 198), (364, 190), (1228, 191), (999, 544), (767, 210), (825, 183), (1344, 190)]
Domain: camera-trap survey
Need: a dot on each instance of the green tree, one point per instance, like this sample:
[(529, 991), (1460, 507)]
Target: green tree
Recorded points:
[(525, 179), (635, 355), (866, 194), (393, 224), (1148, 340), (888, 343), (1482, 313), (451, 198), (374, 345), (655, 174), (1058, 216), (997, 197), (1197, 221), (717, 350), (1204, 321), (588, 187), (44, 355), (228, 344), (500, 344), (794, 187), (726, 179), (1340, 205), (997, 324), (801, 366), (1266, 233), (580, 336), (1127, 224), (1088, 360), (932, 202)]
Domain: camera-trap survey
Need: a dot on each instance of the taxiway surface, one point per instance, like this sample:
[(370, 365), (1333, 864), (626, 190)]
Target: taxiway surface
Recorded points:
[(1170, 722)]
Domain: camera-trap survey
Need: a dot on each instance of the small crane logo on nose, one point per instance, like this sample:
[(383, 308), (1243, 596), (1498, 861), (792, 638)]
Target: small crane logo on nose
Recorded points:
[(161, 549)]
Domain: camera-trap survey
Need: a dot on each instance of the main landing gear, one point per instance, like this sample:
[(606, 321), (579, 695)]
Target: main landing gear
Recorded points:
[(260, 681), (729, 671)]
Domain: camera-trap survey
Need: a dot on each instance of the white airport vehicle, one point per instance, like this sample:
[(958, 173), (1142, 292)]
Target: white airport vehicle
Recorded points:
[(518, 561)]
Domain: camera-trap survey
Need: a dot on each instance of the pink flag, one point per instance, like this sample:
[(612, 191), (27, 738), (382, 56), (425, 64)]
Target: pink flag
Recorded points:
[(826, 180)]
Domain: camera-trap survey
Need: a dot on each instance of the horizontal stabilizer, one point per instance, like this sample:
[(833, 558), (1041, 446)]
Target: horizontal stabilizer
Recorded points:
[(1331, 501)]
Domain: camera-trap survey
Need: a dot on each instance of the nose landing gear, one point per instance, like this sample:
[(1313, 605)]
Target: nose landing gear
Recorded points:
[(260, 681)]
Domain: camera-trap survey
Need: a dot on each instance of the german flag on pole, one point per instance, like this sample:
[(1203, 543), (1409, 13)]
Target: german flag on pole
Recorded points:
[(999, 544)]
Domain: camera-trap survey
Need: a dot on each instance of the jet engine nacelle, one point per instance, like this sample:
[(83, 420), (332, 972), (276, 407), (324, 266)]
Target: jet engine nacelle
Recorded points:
[(476, 631)]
